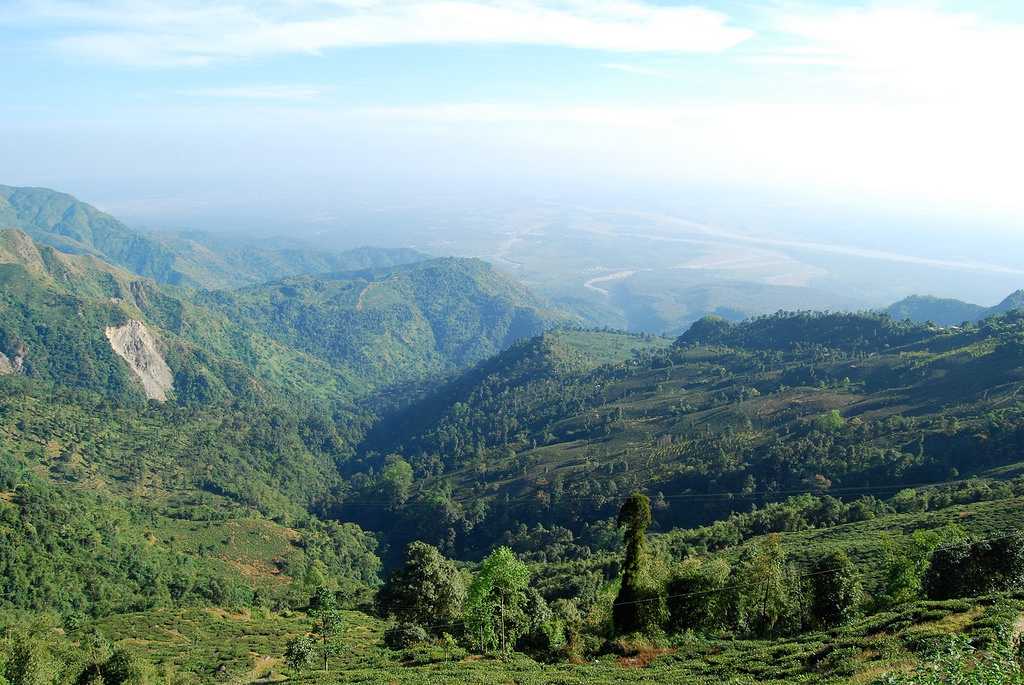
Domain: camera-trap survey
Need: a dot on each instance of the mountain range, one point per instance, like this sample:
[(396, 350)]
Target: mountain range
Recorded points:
[(187, 258)]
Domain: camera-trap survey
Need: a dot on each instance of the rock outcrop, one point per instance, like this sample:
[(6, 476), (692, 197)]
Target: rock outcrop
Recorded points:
[(133, 343), (15, 363)]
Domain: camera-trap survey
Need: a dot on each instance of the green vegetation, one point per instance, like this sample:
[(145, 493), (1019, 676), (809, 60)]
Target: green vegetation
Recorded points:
[(428, 589), (948, 312), (496, 604), (795, 498), (637, 607), (306, 340), (55, 310), (390, 326), (535, 438), (191, 259)]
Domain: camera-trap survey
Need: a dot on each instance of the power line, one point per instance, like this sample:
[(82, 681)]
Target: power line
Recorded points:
[(702, 496)]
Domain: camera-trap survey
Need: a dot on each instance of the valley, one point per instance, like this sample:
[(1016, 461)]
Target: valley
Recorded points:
[(511, 342), (240, 463)]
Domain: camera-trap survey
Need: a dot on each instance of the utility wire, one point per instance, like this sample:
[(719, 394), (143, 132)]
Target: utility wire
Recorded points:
[(725, 494)]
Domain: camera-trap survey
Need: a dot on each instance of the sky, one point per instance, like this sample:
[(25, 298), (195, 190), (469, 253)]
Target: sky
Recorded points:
[(176, 110)]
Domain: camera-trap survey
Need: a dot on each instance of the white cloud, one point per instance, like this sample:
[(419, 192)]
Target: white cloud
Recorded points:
[(908, 52), (634, 69), (258, 92), (166, 33), (963, 158)]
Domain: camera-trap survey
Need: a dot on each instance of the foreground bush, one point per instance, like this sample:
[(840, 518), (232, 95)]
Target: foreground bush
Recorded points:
[(404, 636)]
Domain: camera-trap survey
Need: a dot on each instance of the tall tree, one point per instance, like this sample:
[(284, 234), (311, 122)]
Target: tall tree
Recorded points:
[(495, 613), (769, 599), (638, 606), (835, 590), (427, 589), (327, 622)]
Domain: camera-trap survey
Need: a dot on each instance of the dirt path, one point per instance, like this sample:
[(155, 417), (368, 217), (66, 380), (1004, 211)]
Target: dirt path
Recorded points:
[(260, 667), (1018, 630)]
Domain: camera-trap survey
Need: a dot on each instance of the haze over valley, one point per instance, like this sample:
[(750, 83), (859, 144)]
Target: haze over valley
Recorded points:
[(511, 341)]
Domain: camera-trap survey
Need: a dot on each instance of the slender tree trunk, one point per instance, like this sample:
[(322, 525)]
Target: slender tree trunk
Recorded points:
[(501, 604), (764, 604)]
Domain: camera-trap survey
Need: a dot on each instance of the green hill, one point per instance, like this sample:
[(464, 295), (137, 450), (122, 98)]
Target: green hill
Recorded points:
[(1013, 302), (945, 312), (194, 259), (814, 427), (780, 404), (199, 474), (224, 261), (388, 326), (950, 312), (109, 507), (60, 220), (789, 331), (58, 312), (301, 339)]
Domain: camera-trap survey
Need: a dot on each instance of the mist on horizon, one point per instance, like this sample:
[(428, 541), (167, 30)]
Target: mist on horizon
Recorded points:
[(859, 151)]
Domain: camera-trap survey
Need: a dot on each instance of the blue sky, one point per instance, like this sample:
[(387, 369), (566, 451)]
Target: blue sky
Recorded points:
[(171, 104)]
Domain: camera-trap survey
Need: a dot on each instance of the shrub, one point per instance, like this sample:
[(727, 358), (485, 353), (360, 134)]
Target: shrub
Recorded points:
[(695, 598), (979, 568), (299, 653), (404, 636), (836, 590), (125, 668)]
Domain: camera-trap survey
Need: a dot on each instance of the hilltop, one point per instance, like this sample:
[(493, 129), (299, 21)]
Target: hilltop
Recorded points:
[(950, 312)]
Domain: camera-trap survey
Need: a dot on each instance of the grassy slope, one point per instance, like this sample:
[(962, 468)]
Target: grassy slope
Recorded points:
[(598, 348)]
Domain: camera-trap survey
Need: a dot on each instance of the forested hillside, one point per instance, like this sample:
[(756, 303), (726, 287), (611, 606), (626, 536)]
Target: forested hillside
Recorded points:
[(418, 473), (789, 402), (320, 340), (109, 508), (395, 325), (182, 258), (56, 311)]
